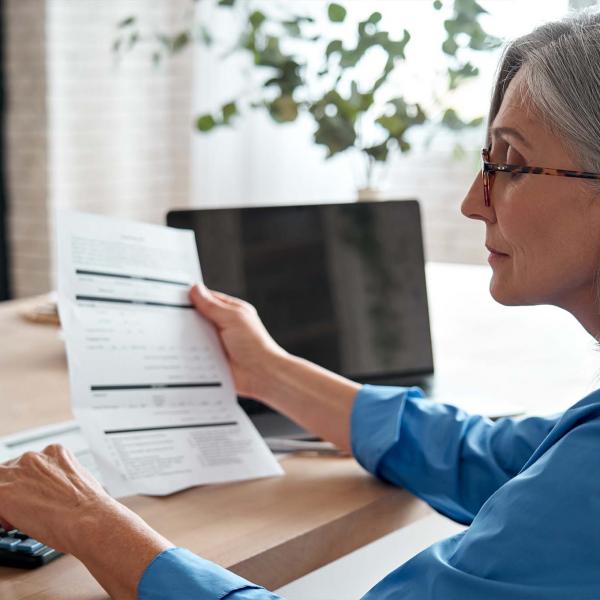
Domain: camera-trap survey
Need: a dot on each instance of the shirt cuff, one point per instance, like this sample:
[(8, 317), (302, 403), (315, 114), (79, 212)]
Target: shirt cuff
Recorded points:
[(375, 421), (177, 573)]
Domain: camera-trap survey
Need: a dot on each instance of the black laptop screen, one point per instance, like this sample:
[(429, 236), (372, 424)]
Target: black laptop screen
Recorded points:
[(342, 285)]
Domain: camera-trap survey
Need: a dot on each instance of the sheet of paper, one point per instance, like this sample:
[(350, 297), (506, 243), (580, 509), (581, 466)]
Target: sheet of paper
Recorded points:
[(68, 434), (150, 385)]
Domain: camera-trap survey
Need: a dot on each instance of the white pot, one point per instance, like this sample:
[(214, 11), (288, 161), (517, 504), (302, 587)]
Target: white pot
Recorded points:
[(368, 194)]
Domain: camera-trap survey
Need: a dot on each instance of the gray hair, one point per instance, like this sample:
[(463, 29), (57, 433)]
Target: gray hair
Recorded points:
[(560, 63)]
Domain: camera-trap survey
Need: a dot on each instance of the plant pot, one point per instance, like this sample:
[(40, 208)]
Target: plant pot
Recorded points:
[(368, 194)]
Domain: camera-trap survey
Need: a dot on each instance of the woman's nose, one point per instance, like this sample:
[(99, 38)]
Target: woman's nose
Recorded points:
[(473, 206)]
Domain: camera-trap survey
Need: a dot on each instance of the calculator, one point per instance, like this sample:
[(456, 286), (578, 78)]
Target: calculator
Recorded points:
[(17, 549)]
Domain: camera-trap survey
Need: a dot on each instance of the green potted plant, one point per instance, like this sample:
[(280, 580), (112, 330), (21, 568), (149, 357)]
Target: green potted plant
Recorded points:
[(343, 108)]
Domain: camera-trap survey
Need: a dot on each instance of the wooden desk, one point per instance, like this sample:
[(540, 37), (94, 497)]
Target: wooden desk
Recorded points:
[(271, 531)]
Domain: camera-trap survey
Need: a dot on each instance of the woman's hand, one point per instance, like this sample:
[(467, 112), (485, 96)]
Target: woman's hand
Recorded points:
[(49, 496), (318, 400), (250, 349), (45, 494)]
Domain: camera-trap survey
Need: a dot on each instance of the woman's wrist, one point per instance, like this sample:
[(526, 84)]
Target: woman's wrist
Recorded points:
[(116, 546), (317, 399), (274, 370)]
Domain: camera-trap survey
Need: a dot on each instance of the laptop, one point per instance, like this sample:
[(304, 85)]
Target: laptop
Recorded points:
[(342, 285)]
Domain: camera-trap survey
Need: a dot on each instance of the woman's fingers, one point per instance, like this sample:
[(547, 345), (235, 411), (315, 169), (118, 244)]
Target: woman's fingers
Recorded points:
[(230, 300), (217, 307), (59, 460), (207, 303), (62, 458)]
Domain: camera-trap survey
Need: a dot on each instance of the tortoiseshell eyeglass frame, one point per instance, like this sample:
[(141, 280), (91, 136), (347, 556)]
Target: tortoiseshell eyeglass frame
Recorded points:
[(489, 170)]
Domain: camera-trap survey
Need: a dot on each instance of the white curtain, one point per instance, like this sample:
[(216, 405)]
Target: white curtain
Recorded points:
[(86, 131), (120, 129)]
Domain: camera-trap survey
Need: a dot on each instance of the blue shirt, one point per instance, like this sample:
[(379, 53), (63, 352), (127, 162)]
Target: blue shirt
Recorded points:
[(529, 489)]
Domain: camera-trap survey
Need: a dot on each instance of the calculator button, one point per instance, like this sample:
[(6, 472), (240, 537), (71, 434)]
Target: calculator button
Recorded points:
[(29, 545), (9, 543)]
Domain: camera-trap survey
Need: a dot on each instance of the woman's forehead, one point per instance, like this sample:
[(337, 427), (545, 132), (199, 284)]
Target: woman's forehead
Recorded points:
[(517, 111), (520, 123)]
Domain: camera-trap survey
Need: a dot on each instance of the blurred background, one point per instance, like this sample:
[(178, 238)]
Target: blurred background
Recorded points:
[(132, 107)]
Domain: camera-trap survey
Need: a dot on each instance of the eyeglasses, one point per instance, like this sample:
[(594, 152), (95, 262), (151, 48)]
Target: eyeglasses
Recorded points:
[(489, 170)]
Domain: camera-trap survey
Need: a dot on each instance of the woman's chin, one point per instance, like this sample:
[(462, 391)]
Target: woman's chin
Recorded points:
[(503, 293)]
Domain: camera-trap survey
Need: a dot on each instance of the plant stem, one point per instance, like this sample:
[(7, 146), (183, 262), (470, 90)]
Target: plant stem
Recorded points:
[(370, 167)]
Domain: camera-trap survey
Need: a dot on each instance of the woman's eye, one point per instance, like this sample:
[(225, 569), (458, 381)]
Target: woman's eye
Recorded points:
[(514, 158)]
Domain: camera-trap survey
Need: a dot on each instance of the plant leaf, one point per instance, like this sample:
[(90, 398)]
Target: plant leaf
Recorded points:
[(378, 152), (336, 12), (452, 121), (461, 74), (228, 111), (336, 133), (180, 41), (333, 46), (469, 8), (270, 55), (374, 18), (126, 22), (292, 28), (205, 123), (401, 119), (205, 35), (257, 18), (133, 39), (450, 46)]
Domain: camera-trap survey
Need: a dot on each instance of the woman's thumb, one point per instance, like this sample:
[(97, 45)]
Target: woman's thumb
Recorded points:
[(206, 303)]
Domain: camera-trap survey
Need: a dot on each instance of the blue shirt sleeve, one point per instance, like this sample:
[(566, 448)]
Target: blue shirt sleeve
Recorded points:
[(178, 574), (452, 460)]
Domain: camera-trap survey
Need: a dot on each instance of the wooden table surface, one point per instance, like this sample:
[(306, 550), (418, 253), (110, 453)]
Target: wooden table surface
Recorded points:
[(271, 531)]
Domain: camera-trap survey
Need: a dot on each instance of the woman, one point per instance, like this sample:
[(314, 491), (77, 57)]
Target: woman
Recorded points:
[(528, 488)]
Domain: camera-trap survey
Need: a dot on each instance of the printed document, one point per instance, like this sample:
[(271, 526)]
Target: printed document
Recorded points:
[(150, 384)]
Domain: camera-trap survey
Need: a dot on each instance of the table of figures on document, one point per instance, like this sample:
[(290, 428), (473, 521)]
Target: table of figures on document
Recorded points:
[(150, 384)]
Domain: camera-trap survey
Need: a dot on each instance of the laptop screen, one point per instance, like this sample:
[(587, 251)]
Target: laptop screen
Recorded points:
[(342, 285)]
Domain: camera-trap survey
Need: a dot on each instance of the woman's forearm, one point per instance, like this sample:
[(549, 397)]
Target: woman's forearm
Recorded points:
[(315, 398)]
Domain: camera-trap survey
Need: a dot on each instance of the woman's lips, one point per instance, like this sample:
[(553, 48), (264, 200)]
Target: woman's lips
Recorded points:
[(495, 256), (492, 250)]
